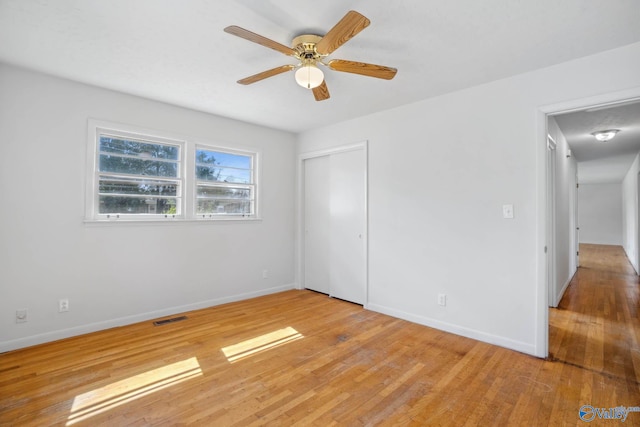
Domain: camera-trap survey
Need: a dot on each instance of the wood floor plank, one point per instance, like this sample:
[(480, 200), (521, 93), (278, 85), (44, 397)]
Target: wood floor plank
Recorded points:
[(348, 366)]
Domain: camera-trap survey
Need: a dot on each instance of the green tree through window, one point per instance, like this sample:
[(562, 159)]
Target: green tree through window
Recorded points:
[(137, 174), (224, 183), (133, 177)]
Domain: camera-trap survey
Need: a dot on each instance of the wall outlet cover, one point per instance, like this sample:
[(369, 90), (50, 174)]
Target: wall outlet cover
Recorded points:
[(442, 299), (507, 211), (21, 315)]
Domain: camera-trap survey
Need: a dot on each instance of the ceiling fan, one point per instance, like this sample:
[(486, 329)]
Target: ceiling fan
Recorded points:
[(311, 50)]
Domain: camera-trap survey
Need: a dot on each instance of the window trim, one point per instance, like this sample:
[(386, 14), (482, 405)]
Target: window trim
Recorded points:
[(253, 155), (186, 175)]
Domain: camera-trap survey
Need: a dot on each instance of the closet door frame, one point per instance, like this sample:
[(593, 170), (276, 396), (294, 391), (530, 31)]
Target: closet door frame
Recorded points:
[(300, 243)]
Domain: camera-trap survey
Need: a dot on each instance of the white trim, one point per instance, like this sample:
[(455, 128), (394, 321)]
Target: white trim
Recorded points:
[(299, 271), (135, 318), (168, 220), (551, 222), (333, 150), (594, 103), (541, 347), (97, 127), (253, 186), (225, 147), (636, 208), (558, 297), (541, 328), (455, 329), (629, 259)]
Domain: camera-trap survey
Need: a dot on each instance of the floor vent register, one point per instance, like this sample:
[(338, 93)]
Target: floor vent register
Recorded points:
[(172, 320)]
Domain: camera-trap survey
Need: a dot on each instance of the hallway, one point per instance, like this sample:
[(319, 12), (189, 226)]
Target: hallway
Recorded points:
[(596, 327)]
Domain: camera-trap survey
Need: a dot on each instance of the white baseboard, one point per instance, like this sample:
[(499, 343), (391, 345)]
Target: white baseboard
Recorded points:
[(633, 263), (560, 294), (128, 320), (520, 346)]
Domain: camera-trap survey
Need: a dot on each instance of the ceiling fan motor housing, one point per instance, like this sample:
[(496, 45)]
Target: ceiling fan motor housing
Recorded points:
[(305, 47)]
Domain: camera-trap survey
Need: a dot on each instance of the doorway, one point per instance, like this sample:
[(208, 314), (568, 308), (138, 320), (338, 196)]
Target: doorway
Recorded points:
[(550, 216)]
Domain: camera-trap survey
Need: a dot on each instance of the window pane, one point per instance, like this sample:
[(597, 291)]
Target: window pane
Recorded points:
[(134, 148), (237, 207), (207, 157), (117, 164), (205, 192), (137, 205), (211, 173), (134, 186)]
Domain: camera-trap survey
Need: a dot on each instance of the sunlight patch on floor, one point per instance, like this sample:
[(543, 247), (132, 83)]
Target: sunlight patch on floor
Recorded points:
[(264, 342), (105, 398)]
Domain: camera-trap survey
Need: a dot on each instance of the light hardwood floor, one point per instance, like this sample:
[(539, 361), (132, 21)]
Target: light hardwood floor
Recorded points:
[(301, 358)]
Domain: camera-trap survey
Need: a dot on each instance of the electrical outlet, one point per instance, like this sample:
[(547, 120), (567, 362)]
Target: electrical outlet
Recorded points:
[(442, 299), (265, 274), (63, 305), (21, 315), (507, 211)]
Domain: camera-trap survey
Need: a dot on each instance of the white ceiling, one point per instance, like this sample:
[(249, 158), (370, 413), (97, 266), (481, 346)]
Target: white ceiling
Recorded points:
[(176, 51), (603, 162)]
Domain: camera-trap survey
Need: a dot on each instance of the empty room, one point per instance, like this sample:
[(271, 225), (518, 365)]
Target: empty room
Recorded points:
[(319, 213)]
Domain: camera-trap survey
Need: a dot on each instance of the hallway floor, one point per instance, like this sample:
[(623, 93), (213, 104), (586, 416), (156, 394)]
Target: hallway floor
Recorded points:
[(596, 329)]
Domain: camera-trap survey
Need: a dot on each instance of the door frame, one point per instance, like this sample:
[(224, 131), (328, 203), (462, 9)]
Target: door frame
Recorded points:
[(551, 218), (637, 224), (541, 347), (300, 243), (576, 220)]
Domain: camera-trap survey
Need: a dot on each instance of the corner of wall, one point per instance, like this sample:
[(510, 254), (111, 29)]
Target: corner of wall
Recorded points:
[(630, 214)]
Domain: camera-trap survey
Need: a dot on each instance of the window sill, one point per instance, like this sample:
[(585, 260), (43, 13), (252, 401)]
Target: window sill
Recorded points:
[(173, 221)]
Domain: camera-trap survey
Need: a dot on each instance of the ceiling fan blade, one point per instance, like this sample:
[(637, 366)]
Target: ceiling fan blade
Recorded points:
[(350, 25), (371, 70), (265, 74), (321, 92), (261, 40)]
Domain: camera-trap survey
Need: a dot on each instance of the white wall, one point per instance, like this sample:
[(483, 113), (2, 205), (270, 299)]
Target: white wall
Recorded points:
[(630, 213), (565, 202), (440, 171), (121, 273), (600, 213)]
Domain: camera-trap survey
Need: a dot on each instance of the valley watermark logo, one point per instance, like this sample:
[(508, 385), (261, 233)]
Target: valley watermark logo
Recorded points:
[(588, 413)]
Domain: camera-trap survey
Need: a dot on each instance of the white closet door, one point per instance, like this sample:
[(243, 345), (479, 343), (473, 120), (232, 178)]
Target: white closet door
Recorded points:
[(316, 224), (347, 216)]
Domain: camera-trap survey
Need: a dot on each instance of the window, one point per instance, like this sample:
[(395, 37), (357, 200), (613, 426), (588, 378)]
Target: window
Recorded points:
[(224, 183), (138, 176), (134, 175)]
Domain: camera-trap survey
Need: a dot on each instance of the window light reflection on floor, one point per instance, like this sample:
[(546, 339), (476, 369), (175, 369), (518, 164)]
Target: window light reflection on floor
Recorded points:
[(105, 398), (264, 342)]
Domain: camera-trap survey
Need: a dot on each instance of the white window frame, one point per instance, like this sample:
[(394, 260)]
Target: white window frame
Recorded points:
[(186, 175), (251, 186)]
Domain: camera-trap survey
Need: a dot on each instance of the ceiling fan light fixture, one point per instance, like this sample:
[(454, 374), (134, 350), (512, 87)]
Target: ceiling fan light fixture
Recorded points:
[(605, 135), (309, 76), (311, 50)]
